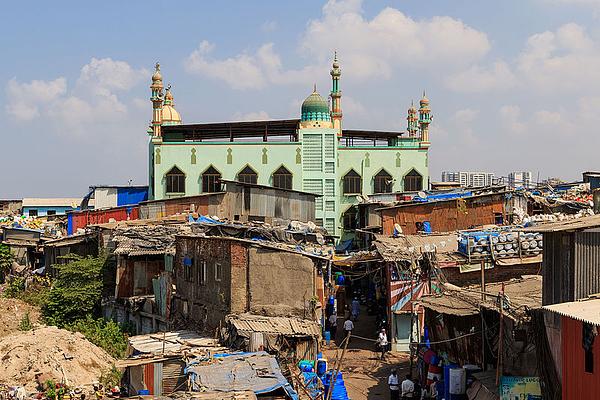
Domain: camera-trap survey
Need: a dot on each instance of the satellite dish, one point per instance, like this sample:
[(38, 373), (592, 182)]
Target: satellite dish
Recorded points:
[(397, 228), (422, 195), (359, 198), (366, 197)]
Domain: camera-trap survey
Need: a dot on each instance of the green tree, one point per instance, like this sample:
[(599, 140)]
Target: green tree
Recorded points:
[(76, 292), (6, 259)]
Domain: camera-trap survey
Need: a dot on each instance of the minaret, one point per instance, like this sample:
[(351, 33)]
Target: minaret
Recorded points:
[(413, 121), (157, 101), (336, 96), (424, 121)]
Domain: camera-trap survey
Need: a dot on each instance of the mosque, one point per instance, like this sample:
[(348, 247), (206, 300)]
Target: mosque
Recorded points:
[(312, 153)]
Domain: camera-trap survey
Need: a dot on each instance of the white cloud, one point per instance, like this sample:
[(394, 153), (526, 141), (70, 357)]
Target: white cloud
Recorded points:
[(567, 59), (375, 47), (368, 48), (246, 70), (92, 99), (269, 26), (512, 119), (24, 99), (251, 116), (477, 79)]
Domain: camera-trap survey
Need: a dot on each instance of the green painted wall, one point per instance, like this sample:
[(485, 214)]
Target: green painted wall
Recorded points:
[(317, 162)]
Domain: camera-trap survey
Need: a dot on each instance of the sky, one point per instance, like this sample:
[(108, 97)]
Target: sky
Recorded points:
[(514, 84)]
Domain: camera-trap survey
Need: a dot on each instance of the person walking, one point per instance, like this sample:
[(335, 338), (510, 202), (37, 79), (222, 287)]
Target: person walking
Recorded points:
[(394, 385), (408, 388), (382, 343), (333, 326), (355, 307), (433, 394), (348, 326)]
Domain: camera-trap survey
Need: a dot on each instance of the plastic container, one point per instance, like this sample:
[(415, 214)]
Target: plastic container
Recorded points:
[(143, 392), (321, 366), (327, 337), (339, 391)]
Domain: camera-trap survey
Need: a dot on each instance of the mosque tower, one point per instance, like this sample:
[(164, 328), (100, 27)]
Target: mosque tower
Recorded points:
[(336, 96), (413, 121), (424, 121), (157, 101)]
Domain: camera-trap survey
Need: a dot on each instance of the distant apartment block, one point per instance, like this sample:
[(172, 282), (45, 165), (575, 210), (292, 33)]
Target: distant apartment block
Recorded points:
[(520, 179), (469, 179)]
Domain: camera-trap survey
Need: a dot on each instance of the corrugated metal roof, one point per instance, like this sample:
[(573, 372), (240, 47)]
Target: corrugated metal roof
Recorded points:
[(522, 294), (277, 325), (174, 342), (570, 225), (52, 202), (587, 310), (409, 246)]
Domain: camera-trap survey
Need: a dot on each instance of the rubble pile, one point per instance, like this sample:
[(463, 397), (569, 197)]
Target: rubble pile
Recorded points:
[(51, 353)]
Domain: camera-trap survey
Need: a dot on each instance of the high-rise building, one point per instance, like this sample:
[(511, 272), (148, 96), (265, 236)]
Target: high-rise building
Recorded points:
[(312, 153), (520, 179), (468, 178)]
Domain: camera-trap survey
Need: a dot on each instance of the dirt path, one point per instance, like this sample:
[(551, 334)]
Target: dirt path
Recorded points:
[(11, 314), (365, 374)]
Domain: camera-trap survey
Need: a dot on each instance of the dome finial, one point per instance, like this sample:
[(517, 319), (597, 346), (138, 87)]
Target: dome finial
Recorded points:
[(314, 88), (157, 75)]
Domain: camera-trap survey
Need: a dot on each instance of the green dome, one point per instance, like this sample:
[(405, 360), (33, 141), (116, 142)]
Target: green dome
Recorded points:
[(315, 108)]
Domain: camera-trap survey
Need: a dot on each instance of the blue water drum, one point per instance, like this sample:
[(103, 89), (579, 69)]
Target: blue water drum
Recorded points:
[(340, 280), (321, 366), (327, 337), (339, 387), (331, 299)]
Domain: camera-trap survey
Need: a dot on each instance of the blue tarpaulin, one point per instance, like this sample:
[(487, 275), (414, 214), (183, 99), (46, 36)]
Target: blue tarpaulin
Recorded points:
[(258, 372), (202, 219)]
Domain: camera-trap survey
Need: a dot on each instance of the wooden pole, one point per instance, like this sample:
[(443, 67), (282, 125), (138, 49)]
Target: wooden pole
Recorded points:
[(499, 364), (338, 367)]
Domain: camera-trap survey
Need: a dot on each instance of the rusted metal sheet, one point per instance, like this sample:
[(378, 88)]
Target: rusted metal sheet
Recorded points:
[(149, 377), (444, 216), (576, 382), (173, 377)]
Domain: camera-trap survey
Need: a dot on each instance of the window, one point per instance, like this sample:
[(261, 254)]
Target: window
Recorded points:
[(187, 269), (352, 183), (218, 272), (413, 182), (33, 213), (248, 175), (51, 212), (589, 361), (282, 178), (201, 273), (383, 182), (498, 219), (350, 219), (211, 181), (175, 181)]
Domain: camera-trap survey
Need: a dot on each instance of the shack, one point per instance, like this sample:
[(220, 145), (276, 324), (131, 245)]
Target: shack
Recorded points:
[(235, 269), (155, 363), (26, 246), (55, 251), (447, 215), (295, 338)]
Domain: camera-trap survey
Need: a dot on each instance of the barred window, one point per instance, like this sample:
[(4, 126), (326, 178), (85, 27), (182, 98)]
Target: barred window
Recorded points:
[(248, 175), (282, 178), (175, 181), (382, 182), (413, 181), (211, 181), (352, 183)]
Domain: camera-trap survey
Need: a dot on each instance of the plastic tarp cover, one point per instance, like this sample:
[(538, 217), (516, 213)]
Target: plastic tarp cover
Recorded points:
[(203, 219), (258, 372)]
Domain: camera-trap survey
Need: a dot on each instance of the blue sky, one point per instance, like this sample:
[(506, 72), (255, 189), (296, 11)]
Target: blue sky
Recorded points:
[(514, 85)]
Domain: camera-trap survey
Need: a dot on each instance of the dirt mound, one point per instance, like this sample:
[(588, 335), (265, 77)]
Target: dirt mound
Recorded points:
[(58, 354), (11, 314)]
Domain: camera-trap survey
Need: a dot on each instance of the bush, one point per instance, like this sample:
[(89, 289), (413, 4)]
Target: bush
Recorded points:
[(110, 377), (15, 286), (6, 259), (105, 334), (76, 292), (25, 324)]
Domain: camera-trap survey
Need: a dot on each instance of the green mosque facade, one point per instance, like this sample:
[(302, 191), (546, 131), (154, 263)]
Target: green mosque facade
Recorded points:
[(311, 154)]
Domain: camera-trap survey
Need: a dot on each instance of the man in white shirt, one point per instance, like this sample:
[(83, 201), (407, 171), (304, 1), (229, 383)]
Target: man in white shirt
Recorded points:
[(382, 343), (393, 383), (348, 326), (408, 387), (333, 325)]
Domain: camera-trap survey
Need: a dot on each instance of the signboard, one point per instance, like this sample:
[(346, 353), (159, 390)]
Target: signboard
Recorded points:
[(520, 388)]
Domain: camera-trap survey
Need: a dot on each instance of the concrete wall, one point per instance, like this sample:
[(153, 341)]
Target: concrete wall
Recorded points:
[(281, 283)]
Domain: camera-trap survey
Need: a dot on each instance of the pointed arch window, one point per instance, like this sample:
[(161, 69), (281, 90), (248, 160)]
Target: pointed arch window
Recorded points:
[(413, 181), (248, 175), (175, 181), (382, 182), (211, 180), (352, 183), (282, 178)]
